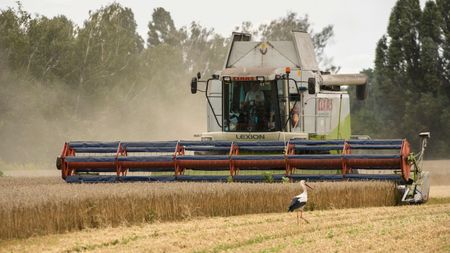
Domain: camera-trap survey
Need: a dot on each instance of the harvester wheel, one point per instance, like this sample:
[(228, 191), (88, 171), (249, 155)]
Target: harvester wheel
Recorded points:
[(58, 163)]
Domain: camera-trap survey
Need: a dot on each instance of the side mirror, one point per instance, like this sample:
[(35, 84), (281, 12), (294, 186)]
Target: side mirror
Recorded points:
[(361, 91), (199, 76), (311, 86), (194, 85), (424, 135)]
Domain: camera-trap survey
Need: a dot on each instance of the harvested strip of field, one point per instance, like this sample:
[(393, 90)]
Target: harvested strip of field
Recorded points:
[(440, 191), (37, 206), (439, 171), (423, 228)]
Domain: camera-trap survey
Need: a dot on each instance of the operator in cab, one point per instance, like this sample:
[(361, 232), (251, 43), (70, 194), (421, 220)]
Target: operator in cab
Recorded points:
[(254, 109), (255, 95)]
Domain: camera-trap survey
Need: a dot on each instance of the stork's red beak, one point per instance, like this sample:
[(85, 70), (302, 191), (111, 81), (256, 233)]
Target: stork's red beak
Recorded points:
[(309, 186)]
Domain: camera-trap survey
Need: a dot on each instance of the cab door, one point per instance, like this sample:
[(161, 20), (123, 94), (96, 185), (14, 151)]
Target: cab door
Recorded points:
[(214, 112)]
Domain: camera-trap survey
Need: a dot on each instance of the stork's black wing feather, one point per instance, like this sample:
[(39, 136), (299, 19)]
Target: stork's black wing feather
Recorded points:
[(296, 204)]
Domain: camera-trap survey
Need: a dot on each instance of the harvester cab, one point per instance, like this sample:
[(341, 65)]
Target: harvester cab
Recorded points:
[(274, 90), (272, 115)]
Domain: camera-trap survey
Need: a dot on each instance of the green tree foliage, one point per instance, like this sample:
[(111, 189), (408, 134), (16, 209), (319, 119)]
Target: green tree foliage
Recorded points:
[(164, 49), (40, 46), (364, 121), (107, 50), (409, 85), (444, 10), (205, 51), (162, 30), (280, 29), (51, 44), (13, 39), (108, 46)]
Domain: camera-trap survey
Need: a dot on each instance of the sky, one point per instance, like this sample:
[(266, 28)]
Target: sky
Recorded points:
[(358, 25)]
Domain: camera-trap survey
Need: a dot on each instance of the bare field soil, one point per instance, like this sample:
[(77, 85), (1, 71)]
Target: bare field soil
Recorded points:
[(440, 191), (440, 171), (440, 177), (32, 173), (37, 206), (424, 228)]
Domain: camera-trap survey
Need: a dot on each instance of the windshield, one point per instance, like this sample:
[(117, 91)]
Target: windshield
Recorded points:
[(251, 106)]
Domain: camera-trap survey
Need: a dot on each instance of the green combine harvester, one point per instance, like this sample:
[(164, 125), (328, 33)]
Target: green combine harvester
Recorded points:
[(272, 115)]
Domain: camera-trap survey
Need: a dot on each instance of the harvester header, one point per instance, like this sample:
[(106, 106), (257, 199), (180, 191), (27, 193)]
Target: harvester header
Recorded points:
[(285, 157)]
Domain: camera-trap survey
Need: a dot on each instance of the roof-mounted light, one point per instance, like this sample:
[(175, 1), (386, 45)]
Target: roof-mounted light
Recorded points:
[(287, 70), (260, 79), (226, 79)]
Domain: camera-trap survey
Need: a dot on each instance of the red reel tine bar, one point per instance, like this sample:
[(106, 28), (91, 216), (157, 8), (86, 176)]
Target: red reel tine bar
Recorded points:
[(101, 157)]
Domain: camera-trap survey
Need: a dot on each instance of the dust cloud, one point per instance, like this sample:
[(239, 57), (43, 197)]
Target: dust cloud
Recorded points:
[(37, 117)]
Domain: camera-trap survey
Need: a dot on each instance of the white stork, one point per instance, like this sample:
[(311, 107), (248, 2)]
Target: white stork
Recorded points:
[(299, 201)]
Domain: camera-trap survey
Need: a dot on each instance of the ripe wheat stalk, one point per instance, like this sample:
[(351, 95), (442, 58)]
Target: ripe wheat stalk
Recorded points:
[(35, 206)]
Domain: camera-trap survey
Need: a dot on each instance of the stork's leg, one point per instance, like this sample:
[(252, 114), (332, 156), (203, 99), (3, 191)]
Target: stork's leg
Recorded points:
[(301, 216), (298, 222)]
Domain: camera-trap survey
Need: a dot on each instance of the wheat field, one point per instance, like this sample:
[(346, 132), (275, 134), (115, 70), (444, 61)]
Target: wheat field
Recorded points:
[(38, 206), (424, 228)]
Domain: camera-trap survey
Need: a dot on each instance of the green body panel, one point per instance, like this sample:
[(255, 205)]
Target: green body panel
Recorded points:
[(341, 132), (344, 130)]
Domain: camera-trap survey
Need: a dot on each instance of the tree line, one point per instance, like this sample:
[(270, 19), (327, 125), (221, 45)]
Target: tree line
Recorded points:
[(409, 89)]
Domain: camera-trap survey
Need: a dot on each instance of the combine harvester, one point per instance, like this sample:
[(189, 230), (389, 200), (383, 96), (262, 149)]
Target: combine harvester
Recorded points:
[(272, 115)]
